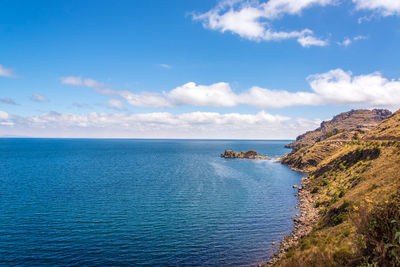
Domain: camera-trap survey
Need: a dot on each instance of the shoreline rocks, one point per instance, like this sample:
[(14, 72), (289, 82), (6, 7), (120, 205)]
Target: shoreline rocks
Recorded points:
[(303, 222), (251, 154)]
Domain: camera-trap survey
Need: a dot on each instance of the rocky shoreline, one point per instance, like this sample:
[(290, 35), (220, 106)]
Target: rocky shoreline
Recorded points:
[(303, 222)]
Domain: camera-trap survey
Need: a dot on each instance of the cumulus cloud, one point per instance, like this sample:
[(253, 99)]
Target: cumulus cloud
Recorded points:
[(39, 98), (7, 101), (371, 90), (5, 72), (252, 19), (335, 87), (261, 125), (383, 7), (216, 95)]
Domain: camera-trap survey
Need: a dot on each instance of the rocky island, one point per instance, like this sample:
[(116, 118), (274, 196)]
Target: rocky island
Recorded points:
[(251, 154)]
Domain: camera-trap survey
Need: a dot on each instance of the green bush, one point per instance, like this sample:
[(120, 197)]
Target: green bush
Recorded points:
[(380, 231)]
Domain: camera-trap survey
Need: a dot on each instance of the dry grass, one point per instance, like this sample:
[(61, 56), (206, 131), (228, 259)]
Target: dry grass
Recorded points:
[(357, 174)]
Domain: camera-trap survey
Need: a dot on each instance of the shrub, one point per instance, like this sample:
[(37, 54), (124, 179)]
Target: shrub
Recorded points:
[(336, 216), (380, 231), (315, 190), (342, 257)]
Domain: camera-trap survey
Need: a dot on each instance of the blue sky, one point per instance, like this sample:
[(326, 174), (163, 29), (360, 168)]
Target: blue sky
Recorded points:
[(193, 69)]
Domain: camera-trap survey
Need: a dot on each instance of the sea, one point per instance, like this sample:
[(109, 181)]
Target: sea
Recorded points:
[(129, 202)]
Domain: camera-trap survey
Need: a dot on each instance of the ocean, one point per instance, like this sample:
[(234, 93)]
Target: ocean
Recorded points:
[(69, 202)]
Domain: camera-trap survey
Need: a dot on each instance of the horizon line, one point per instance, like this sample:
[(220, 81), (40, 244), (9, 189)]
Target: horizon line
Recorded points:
[(133, 138)]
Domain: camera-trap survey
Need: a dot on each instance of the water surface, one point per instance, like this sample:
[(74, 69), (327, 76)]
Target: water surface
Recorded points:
[(141, 202)]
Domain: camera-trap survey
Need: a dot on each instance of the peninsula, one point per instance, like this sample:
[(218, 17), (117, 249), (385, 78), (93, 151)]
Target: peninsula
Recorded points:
[(350, 201)]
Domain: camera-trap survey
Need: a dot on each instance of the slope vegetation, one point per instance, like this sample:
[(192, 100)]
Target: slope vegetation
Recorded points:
[(354, 180)]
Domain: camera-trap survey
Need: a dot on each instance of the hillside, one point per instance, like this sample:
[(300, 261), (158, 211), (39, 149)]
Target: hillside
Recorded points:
[(354, 181), (387, 130), (361, 120)]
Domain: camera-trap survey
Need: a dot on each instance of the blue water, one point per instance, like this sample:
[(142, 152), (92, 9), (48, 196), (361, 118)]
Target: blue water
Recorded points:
[(141, 202)]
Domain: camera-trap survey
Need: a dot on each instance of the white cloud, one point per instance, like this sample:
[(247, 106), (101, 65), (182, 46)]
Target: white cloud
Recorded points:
[(266, 98), (216, 95), (3, 115), (39, 98), (348, 41), (250, 20), (277, 8), (144, 99), (309, 40), (71, 80), (383, 7), (78, 81), (345, 42), (335, 87), (360, 37), (342, 88), (115, 103), (261, 125), (5, 72)]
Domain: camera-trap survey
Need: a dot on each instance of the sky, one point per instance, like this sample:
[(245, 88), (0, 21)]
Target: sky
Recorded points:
[(227, 69)]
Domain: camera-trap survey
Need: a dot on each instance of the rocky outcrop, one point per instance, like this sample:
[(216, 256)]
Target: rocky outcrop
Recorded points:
[(251, 154)]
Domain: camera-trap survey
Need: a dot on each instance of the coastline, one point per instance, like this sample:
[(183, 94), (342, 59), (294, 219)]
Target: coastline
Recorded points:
[(303, 222)]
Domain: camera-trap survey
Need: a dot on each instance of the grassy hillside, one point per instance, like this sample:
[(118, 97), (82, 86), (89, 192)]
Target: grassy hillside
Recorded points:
[(355, 183)]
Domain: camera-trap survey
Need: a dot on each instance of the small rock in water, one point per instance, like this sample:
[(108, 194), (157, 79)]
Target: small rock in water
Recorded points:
[(295, 186)]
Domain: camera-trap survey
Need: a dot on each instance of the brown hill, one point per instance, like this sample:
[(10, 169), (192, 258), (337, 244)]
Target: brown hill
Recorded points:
[(361, 120), (354, 184)]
